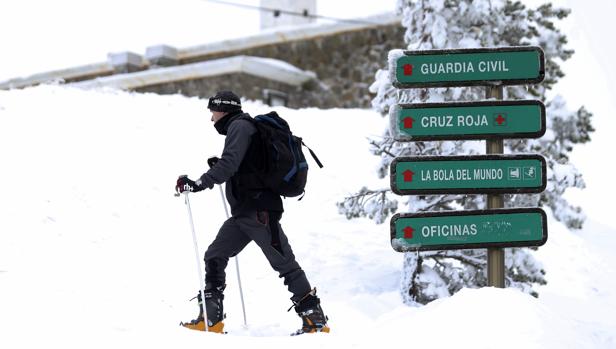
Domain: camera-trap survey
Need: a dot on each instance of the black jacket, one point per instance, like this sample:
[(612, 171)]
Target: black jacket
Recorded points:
[(237, 160)]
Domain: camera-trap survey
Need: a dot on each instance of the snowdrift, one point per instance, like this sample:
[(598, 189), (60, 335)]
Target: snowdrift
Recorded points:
[(95, 251)]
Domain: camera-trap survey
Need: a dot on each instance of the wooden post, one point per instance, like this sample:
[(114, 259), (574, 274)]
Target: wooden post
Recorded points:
[(496, 256)]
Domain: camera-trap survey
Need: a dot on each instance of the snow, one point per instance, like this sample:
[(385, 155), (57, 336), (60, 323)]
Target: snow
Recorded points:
[(589, 81), (394, 126), (392, 60), (95, 251), (262, 67)]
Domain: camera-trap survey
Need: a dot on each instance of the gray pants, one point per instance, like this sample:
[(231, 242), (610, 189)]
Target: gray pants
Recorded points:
[(264, 229)]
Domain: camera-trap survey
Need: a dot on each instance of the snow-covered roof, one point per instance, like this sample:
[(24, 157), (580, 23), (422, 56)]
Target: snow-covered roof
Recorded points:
[(285, 34), (268, 68), (95, 69), (272, 36)]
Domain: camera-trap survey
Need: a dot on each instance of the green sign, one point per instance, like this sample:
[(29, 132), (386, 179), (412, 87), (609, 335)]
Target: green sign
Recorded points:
[(470, 120), (477, 174), (467, 67), (468, 229)]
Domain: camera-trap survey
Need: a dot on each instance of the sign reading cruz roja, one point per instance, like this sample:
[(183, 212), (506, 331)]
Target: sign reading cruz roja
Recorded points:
[(476, 174), (467, 67), (468, 120), (468, 229)]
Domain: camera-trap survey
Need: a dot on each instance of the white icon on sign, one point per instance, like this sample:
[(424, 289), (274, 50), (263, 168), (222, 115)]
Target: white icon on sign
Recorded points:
[(514, 173), (530, 173)]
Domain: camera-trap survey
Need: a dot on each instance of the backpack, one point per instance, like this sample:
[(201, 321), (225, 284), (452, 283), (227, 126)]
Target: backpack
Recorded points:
[(284, 169)]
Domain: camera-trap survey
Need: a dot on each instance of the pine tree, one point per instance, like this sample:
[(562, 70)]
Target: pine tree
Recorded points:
[(439, 24)]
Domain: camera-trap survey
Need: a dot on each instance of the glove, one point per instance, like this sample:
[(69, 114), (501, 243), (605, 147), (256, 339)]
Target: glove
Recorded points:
[(186, 184), (212, 161)]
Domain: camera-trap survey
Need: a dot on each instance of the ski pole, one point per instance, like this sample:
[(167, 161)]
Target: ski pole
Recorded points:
[(237, 263), (201, 279)]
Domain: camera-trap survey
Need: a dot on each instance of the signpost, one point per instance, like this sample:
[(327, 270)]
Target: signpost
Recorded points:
[(479, 174), (468, 120), (496, 256), (492, 174), (468, 229), (467, 67)]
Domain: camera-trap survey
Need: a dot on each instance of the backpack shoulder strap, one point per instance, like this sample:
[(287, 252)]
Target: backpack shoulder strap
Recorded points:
[(314, 156)]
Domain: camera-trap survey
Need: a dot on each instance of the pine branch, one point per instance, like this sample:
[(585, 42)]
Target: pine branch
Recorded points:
[(369, 203), (368, 192), (475, 262), (379, 148)]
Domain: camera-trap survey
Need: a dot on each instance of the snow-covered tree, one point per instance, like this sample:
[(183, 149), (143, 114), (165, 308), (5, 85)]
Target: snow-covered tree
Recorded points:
[(440, 24)]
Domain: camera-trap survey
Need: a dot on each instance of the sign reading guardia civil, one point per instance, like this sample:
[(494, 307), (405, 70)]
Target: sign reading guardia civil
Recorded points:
[(467, 67)]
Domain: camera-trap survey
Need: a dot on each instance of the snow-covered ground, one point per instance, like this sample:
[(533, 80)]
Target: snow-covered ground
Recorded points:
[(95, 251)]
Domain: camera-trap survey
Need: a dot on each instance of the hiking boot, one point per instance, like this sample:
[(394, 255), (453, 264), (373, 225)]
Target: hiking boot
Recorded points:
[(309, 310), (213, 302)]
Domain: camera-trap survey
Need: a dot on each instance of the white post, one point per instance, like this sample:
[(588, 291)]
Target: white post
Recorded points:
[(287, 12)]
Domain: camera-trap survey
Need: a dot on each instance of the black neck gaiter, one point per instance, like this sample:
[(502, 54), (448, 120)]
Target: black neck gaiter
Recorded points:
[(222, 125)]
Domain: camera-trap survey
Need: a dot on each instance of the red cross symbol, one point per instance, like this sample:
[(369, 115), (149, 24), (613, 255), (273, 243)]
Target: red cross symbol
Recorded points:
[(500, 120)]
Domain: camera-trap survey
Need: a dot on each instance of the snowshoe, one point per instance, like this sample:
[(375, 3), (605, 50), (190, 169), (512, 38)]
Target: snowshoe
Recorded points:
[(309, 309), (214, 308)]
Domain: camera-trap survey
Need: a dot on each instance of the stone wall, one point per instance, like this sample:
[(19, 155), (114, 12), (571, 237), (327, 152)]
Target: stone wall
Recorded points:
[(248, 86), (345, 65)]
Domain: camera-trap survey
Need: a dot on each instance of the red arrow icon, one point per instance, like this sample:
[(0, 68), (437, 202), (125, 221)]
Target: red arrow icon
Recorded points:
[(408, 69), (408, 122), (408, 232), (408, 175)]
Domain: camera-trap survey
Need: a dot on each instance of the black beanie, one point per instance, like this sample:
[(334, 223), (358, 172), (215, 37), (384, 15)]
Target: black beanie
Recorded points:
[(224, 101)]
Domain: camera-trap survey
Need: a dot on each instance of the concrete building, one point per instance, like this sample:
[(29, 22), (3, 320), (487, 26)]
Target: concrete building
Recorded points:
[(302, 64)]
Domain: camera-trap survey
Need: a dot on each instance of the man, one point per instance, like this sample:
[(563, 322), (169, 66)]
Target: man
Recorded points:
[(256, 213)]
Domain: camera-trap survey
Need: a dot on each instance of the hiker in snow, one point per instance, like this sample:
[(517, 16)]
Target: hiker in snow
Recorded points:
[(256, 211)]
